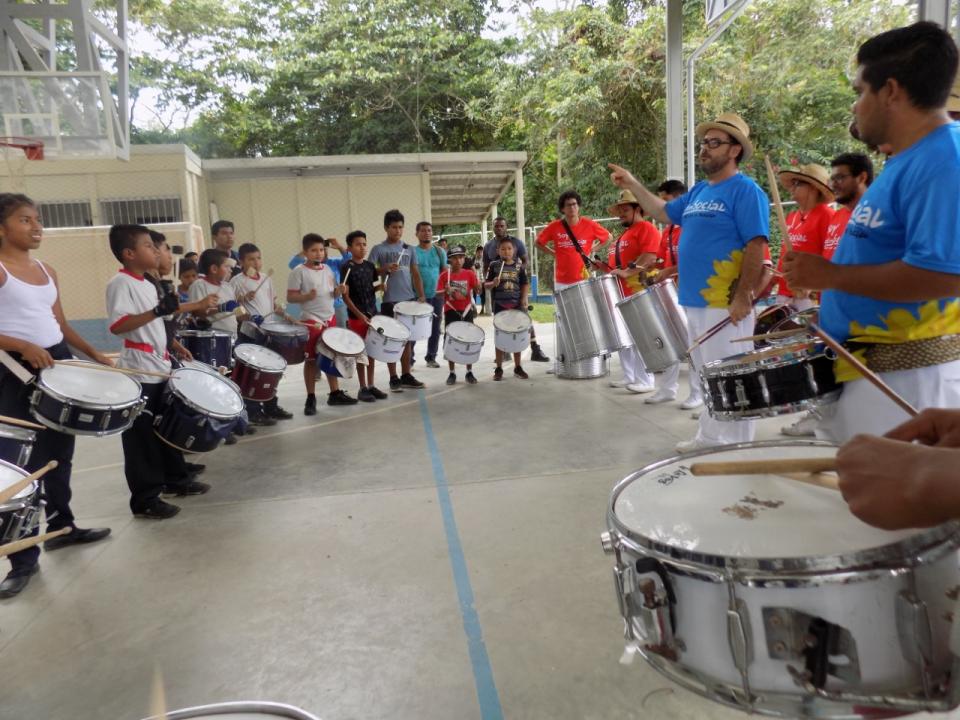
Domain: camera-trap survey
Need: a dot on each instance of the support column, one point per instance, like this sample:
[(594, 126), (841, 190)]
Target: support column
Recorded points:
[(674, 87)]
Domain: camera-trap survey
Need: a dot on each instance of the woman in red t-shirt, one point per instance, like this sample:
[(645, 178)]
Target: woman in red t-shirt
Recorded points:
[(569, 265)]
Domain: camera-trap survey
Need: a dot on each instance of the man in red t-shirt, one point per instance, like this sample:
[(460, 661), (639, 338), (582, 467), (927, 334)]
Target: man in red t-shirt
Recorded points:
[(569, 266), (809, 186), (852, 175), (629, 258), (669, 249)]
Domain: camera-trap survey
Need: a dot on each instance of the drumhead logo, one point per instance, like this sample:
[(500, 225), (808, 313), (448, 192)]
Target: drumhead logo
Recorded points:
[(867, 216)]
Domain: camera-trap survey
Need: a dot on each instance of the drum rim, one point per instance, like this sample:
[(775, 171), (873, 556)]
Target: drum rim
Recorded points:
[(513, 332), (385, 334), (482, 339), (28, 435), (426, 307), (86, 404), (202, 410), (901, 553), (294, 329), (258, 348), (203, 333), (347, 332), (765, 363), (19, 501)]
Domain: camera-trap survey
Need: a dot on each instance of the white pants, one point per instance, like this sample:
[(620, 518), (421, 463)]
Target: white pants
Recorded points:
[(669, 381), (699, 320), (634, 371), (864, 409), (795, 302)]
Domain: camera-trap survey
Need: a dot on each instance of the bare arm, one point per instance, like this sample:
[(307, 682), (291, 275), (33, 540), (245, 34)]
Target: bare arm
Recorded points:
[(417, 281), (652, 204), (297, 297), (895, 281), (751, 270), (641, 264)]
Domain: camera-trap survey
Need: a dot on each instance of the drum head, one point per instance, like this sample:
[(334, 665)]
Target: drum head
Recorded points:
[(280, 327), (772, 355), (259, 357), (343, 341), (9, 474), (85, 383), (208, 391), (512, 321), (392, 328), (466, 332), (413, 308), (743, 516)]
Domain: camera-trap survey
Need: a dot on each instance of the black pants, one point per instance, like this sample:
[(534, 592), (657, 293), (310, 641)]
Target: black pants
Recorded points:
[(49, 445), (146, 458)]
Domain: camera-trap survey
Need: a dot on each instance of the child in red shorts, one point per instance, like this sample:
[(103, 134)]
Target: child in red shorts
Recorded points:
[(360, 295)]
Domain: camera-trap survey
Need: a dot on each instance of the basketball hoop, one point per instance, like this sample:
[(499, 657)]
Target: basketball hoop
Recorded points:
[(17, 151)]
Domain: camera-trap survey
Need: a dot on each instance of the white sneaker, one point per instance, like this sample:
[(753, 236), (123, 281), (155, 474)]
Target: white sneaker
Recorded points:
[(660, 396), (692, 402), (618, 383), (804, 427), (639, 388), (686, 446)]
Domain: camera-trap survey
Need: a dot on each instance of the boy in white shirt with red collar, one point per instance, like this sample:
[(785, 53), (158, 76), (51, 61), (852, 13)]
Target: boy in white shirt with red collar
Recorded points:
[(214, 280)]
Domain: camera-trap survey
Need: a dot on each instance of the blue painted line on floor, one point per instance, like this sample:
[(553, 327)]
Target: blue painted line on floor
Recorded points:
[(482, 672)]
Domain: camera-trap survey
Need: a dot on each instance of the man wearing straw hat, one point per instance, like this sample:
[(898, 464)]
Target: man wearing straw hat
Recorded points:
[(809, 187), (892, 291), (726, 223)]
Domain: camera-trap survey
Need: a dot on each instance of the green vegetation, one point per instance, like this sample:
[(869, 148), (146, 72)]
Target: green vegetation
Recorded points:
[(543, 313)]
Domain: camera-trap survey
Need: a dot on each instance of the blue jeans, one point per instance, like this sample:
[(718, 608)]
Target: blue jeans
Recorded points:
[(433, 344)]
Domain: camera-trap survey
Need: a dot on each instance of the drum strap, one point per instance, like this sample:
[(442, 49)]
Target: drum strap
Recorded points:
[(576, 244)]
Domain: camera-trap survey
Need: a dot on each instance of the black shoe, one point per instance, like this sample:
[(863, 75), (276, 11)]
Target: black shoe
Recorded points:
[(231, 439), (395, 385), (536, 354), (249, 430), (195, 468), (377, 393), (191, 487), (278, 413), (498, 374), (263, 420), (77, 536), (310, 406), (17, 580), (432, 363), (339, 397), (452, 379), (520, 373), (471, 380), (364, 395), (157, 510), (409, 381)]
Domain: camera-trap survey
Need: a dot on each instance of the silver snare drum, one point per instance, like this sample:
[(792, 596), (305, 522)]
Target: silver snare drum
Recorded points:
[(588, 328)]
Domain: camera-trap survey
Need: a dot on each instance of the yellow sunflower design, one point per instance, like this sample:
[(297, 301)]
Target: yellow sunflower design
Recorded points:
[(900, 326), (722, 285)]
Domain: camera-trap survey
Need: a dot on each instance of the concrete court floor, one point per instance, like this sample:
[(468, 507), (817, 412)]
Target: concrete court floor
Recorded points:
[(318, 570)]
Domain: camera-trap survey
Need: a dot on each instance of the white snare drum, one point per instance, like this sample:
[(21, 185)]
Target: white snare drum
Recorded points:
[(765, 593), (342, 341), (245, 710), (417, 317), (386, 338), (21, 513), (463, 342), (79, 399), (511, 330)]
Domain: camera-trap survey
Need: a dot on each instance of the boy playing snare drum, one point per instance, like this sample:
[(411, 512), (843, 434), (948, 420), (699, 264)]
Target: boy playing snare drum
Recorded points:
[(457, 287), (360, 294), (507, 279)]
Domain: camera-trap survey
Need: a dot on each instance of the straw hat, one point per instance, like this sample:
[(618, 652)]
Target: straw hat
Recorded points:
[(734, 126), (953, 102), (626, 198), (816, 175)]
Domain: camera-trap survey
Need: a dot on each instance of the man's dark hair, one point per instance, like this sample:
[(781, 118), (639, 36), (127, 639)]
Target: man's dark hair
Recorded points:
[(311, 239), (568, 195), (354, 234), (124, 237), (421, 224), (246, 249), (209, 258), (857, 162), (158, 238), (392, 216), (11, 202), (192, 256), (921, 57), (186, 266), (219, 225), (498, 218), (672, 187)]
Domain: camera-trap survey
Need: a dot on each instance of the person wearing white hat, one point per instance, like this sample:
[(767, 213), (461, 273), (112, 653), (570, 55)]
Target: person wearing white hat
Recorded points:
[(892, 291), (809, 186), (726, 224)]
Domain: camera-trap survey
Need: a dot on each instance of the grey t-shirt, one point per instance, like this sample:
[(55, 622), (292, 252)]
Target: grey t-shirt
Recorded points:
[(400, 285)]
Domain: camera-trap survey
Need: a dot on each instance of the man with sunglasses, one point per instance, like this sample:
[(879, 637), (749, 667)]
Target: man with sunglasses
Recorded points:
[(726, 223)]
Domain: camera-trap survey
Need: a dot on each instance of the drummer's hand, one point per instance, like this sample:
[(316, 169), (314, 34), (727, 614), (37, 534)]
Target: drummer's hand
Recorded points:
[(102, 359), (337, 290), (808, 271), (250, 296), (739, 308), (892, 484), (620, 176), (393, 267), (619, 272), (210, 303), (36, 356), (932, 426), (181, 351), (422, 299), (597, 265)]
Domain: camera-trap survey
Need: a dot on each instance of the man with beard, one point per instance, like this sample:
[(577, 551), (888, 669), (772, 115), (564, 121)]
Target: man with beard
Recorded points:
[(726, 223)]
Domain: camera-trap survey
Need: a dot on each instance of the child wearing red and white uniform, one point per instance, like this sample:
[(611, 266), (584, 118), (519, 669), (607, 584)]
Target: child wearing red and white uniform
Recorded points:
[(458, 285)]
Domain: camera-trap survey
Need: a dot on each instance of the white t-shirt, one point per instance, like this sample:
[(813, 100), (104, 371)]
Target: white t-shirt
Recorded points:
[(262, 303), (146, 347), (224, 292), (305, 278)]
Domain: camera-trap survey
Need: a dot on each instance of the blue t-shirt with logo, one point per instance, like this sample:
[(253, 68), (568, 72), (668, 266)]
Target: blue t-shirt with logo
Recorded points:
[(718, 221), (430, 262), (911, 212)]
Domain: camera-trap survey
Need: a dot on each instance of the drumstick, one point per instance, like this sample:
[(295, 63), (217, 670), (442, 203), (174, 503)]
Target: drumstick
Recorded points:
[(269, 275), (18, 545), (778, 205), (715, 329), (22, 423), (386, 278), (867, 373), (238, 311), (9, 492), (110, 368), (765, 467), (346, 276), (771, 335), (499, 274)]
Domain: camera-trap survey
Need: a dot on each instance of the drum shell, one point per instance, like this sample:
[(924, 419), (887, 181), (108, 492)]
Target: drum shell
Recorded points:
[(291, 346), (608, 292), (657, 324), (569, 369), (383, 347), (250, 332), (458, 350), (212, 347), (511, 341), (588, 326), (420, 326), (183, 427), (256, 383), (76, 417), (19, 515), (16, 444)]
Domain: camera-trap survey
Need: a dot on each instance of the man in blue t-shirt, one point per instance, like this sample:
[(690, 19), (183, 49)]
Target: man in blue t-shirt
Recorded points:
[(431, 260), (726, 223), (892, 290)]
